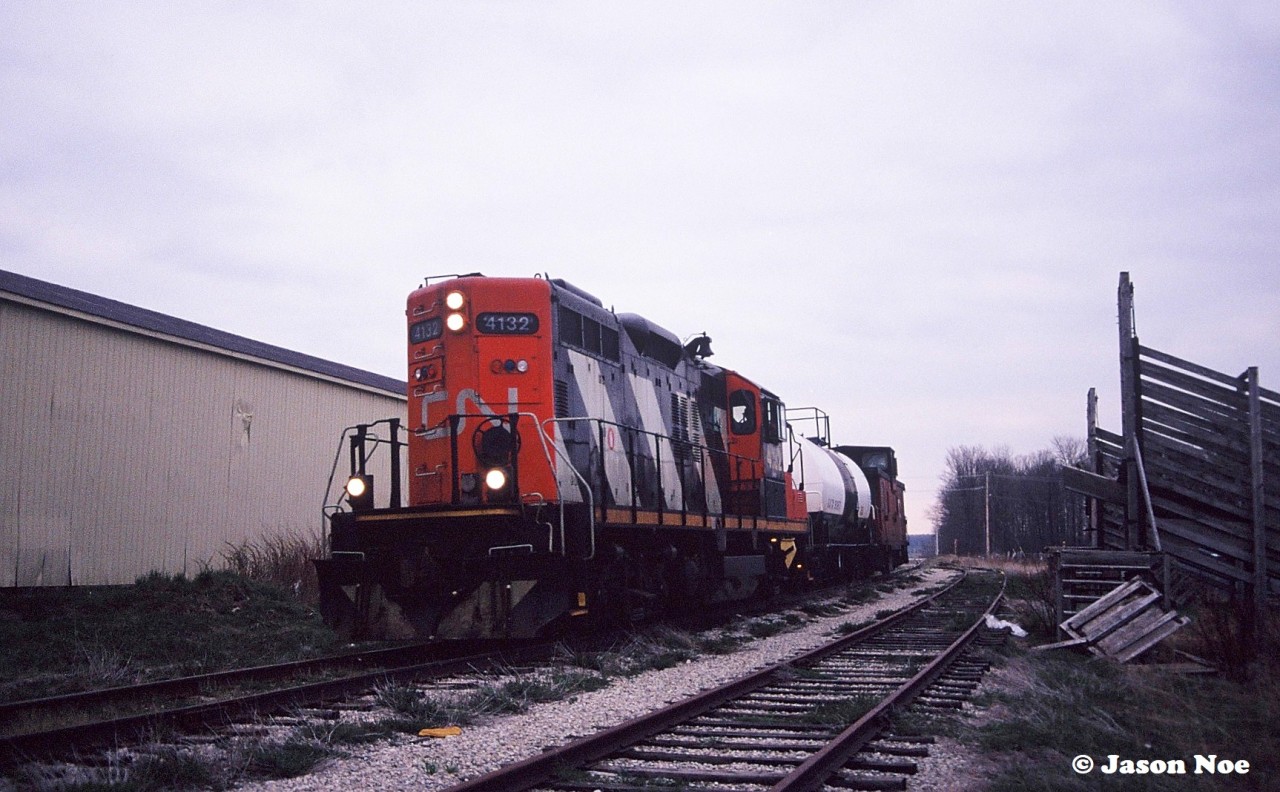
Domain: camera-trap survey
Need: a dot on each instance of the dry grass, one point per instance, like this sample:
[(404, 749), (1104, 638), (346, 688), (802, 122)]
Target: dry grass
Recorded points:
[(1049, 708), (61, 640), (283, 559)]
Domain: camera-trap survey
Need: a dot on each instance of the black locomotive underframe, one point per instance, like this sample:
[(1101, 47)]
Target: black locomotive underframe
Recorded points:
[(429, 562)]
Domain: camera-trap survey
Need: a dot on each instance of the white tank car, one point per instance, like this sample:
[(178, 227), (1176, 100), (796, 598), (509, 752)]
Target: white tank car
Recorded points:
[(837, 492)]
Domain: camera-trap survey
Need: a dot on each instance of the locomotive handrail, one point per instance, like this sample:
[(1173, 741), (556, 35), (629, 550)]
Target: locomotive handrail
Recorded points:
[(359, 459), (733, 463), (591, 508), (740, 469), (660, 495), (455, 420)]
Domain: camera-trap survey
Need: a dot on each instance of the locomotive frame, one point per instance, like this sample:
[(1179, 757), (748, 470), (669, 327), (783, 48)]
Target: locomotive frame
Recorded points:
[(568, 466)]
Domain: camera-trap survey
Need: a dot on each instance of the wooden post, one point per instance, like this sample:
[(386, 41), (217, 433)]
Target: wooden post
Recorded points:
[(1130, 417), (1095, 462), (1166, 581), (1055, 575), (1257, 492)]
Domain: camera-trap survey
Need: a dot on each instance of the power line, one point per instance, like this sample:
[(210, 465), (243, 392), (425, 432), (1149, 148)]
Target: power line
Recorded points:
[(1014, 476)]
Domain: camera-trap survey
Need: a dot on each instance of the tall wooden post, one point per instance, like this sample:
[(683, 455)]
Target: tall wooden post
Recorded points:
[(1095, 462), (1130, 416), (1257, 493)]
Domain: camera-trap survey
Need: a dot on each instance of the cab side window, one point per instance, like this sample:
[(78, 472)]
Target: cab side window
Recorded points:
[(772, 409), (742, 412)]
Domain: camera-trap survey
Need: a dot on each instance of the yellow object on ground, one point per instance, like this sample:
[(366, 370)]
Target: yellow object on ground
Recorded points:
[(443, 731)]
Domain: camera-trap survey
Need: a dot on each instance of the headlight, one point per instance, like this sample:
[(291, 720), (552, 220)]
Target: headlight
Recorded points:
[(455, 322), (495, 479), (454, 300), (356, 487), (359, 491)]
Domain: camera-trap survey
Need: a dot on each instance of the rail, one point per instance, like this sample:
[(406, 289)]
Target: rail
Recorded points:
[(593, 761), (68, 725)]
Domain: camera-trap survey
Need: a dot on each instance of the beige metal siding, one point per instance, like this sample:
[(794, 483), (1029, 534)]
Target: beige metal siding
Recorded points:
[(122, 453)]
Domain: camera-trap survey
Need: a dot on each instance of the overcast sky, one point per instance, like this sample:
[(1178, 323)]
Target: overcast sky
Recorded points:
[(913, 215)]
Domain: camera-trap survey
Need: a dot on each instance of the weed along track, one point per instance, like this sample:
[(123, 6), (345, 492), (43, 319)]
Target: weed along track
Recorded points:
[(822, 718)]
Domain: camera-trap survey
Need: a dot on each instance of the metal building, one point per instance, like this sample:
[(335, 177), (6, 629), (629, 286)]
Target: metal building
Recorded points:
[(132, 441)]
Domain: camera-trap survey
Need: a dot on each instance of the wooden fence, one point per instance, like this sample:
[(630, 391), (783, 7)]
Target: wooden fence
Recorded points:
[(1187, 475)]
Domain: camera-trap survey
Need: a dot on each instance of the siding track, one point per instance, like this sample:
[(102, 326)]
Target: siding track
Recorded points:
[(65, 725), (817, 720)]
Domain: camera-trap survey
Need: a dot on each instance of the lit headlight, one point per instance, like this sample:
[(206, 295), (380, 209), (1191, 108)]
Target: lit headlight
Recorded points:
[(359, 489), (495, 479), (455, 321), (454, 300), (356, 487)]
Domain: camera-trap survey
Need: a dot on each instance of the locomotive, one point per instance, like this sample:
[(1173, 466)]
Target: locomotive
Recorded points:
[(570, 466)]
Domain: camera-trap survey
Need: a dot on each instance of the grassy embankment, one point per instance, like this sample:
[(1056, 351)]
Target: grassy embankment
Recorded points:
[(1045, 709), (255, 611)]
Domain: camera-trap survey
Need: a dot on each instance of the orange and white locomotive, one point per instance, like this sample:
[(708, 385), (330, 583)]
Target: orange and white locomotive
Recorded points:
[(567, 464)]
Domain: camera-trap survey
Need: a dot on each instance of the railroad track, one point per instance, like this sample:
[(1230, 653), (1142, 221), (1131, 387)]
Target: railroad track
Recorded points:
[(64, 725), (59, 726), (819, 719)]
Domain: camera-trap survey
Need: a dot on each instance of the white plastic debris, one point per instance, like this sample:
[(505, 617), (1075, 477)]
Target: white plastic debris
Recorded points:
[(1000, 624)]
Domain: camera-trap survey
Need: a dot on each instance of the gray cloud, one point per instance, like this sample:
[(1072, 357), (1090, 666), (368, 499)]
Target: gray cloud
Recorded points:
[(910, 214)]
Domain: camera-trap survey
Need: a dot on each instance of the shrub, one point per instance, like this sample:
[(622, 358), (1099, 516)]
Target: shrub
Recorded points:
[(288, 759), (282, 559)]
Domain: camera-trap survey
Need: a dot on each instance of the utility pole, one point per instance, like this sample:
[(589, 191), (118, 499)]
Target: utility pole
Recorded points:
[(986, 509)]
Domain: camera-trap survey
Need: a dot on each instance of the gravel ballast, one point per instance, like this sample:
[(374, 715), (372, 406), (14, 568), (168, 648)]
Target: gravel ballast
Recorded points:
[(432, 764)]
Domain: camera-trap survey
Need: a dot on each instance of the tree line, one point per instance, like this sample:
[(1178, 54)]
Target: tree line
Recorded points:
[(993, 501)]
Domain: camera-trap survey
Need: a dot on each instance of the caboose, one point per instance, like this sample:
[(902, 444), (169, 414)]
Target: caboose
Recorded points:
[(566, 465)]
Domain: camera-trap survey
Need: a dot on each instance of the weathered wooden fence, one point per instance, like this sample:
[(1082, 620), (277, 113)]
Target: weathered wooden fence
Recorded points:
[(1188, 473)]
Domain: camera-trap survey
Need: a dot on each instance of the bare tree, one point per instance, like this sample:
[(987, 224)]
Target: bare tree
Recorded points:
[(992, 499)]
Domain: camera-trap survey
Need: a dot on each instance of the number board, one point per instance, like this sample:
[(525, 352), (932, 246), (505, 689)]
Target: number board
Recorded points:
[(507, 323), (426, 330)]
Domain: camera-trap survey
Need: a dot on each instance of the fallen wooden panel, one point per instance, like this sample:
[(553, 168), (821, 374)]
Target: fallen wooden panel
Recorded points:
[(1124, 623)]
